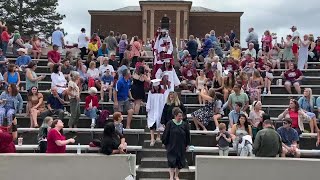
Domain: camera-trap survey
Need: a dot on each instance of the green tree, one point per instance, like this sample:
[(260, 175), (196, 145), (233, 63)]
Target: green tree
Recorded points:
[(31, 16)]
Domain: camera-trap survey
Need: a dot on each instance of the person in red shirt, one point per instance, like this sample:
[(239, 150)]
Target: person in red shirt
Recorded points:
[(5, 38), (248, 59), (189, 76), (231, 65), (297, 116), (56, 141), (208, 72), (293, 76), (54, 57), (91, 106), (7, 139)]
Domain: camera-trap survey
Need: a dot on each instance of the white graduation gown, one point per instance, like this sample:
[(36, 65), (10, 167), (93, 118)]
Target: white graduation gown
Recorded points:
[(154, 107), (173, 78), (159, 43)]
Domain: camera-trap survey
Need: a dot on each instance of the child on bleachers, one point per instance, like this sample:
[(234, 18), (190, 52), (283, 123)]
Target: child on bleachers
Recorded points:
[(106, 84), (223, 138), (117, 120)]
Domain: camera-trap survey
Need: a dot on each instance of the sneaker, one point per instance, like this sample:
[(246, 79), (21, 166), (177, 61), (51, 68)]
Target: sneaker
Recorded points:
[(269, 92), (158, 140), (92, 125), (264, 92), (110, 100), (152, 143)]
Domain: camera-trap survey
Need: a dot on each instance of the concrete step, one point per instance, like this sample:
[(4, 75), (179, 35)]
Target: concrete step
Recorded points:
[(163, 173), (154, 162), (146, 144), (156, 179)]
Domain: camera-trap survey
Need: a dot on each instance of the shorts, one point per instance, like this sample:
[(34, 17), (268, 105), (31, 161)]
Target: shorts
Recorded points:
[(292, 82), (153, 127), (295, 48), (124, 106), (311, 115)]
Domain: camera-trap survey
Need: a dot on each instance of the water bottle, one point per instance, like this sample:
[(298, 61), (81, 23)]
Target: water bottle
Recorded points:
[(78, 149)]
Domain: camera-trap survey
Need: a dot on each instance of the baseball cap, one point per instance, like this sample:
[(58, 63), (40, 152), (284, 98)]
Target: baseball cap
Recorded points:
[(22, 50), (112, 54)]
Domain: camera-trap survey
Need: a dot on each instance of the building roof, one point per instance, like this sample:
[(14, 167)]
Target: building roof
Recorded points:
[(193, 8)]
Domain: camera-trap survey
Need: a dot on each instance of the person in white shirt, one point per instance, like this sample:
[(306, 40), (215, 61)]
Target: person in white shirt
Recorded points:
[(83, 41), (105, 66), (93, 73), (251, 51), (253, 38), (58, 80), (295, 39), (58, 38)]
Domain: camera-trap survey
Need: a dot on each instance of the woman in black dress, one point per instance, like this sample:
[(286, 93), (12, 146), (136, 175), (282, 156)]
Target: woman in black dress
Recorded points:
[(137, 88), (176, 138), (172, 102), (112, 142)]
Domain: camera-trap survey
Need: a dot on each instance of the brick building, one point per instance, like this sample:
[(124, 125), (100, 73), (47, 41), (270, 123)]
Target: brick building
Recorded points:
[(180, 17)]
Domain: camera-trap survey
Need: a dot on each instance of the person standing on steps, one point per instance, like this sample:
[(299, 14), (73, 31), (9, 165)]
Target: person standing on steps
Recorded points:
[(176, 138)]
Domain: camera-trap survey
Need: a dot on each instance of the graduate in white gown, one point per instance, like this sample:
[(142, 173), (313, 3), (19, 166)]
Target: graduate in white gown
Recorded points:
[(154, 107), (168, 69)]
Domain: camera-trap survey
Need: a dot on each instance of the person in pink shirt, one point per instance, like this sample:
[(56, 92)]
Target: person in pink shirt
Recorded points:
[(136, 48), (5, 38), (36, 47), (267, 40)]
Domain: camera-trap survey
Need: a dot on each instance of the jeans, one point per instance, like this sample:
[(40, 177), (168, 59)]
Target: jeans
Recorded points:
[(8, 113), (75, 112), (91, 113), (4, 48), (58, 112), (224, 151)]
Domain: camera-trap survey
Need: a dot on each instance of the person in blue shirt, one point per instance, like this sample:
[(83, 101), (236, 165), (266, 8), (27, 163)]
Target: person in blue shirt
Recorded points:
[(122, 96), (106, 84), (318, 106), (205, 47), (55, 104), (102, 52), (23, 60), (213, 37), (307, 103), (234, 114), (192, 47), (290, 138)]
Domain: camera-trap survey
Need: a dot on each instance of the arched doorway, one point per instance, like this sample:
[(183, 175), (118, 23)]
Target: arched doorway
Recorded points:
[(165, 22)]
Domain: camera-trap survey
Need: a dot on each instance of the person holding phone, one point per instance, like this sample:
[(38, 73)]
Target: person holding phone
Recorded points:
[(31, 77), (55, 104), (56, 140), (7, 138), (112, 142)]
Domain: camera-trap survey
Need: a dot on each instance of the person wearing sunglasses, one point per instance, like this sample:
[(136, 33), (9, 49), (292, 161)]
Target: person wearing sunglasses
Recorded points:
[(290, 139)]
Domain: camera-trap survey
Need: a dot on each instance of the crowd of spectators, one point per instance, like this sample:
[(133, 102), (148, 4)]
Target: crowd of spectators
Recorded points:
[(230, 84)]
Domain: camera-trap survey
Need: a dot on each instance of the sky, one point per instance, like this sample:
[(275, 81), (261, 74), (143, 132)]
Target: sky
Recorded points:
[(274, 15)]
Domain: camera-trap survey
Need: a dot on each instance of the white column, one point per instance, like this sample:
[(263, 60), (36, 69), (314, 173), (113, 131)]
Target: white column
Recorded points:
[(144, 25), (186, 25), (178, 28), (151, 24)]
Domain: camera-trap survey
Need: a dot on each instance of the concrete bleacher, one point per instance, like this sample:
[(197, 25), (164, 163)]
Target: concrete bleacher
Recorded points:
[(138, 137)]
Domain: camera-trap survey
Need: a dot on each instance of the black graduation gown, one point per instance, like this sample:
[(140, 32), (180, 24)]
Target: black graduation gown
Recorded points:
[(167, 113), (176, 138)]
